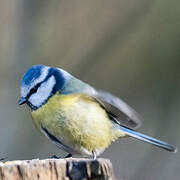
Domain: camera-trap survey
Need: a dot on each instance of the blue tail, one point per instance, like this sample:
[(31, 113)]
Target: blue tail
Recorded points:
[(148, 139)]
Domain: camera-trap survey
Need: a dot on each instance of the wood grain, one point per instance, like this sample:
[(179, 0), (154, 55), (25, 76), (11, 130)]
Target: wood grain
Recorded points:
[(57, 169)]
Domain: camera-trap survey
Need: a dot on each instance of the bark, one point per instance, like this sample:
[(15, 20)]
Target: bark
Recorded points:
[(51, 169)]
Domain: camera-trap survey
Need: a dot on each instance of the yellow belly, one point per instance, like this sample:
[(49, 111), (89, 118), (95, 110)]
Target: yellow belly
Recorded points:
[(77, 120)]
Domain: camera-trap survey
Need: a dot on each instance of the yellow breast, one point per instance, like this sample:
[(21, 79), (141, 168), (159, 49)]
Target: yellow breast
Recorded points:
[(76, 119)]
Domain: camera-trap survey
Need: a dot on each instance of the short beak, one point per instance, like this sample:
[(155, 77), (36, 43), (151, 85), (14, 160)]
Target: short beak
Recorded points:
[(22, 100)]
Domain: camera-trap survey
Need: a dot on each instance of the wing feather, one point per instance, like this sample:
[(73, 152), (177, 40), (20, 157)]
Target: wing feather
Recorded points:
[(118, 110)]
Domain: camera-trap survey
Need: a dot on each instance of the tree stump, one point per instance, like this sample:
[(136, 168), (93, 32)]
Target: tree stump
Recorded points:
[(57, 169)]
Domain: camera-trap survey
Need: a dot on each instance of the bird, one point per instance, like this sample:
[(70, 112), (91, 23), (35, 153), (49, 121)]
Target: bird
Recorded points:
[(75, 116)]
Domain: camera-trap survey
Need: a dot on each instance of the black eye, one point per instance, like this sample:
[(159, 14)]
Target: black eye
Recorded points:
[(33, 90)]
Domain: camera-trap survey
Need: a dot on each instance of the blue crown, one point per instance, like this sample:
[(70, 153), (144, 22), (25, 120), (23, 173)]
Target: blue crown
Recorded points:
[(32, 73)]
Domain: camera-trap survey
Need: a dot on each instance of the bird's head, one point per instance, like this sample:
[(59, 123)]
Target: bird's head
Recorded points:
[(39, 83)]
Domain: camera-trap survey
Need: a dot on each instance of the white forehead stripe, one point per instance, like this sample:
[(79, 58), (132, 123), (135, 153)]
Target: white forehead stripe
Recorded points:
[(43, 92), (42, 77)]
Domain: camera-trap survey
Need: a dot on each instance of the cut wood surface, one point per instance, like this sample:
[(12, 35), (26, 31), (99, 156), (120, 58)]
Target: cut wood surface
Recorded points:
[(61, 169)]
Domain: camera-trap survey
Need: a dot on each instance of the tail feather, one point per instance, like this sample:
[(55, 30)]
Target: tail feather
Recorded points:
[(148, 139)]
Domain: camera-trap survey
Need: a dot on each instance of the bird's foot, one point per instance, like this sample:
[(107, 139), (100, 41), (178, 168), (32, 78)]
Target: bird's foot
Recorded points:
[(68, 156), (2, 159), (56, 157)]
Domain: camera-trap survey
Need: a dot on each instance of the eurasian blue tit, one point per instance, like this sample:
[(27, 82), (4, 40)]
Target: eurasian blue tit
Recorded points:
[(75, 116)]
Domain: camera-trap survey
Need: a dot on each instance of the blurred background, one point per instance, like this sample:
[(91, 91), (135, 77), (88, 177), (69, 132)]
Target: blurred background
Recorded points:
[(129, 48)]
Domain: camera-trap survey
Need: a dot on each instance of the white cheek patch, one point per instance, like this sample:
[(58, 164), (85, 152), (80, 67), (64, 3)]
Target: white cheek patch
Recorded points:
[(25, 89), (43, 92)]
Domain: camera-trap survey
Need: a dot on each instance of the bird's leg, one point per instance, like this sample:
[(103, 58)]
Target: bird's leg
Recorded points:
[(94, 155)]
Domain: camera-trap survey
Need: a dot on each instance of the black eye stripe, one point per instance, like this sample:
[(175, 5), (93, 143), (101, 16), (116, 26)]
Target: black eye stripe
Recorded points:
[(33, 90), (52, 72)]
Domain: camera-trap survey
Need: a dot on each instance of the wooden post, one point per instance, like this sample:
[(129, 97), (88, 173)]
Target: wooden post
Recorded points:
[(57, 169)]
